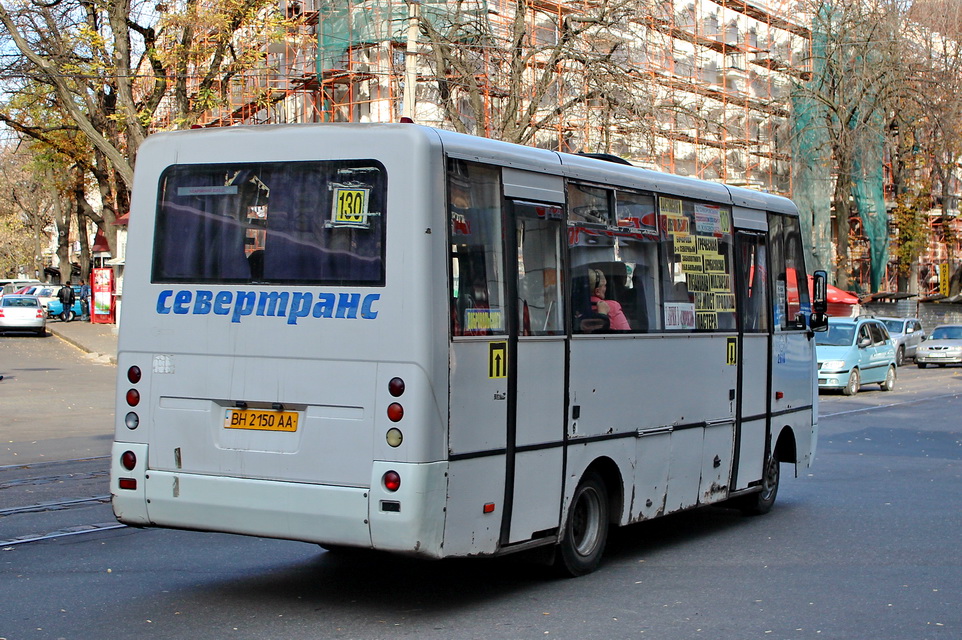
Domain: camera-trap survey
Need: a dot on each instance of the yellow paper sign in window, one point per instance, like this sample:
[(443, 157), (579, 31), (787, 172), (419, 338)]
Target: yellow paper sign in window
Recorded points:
[(350, 207)]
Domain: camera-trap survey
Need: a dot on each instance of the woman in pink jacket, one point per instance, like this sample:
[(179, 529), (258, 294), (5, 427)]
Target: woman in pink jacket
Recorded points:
[(610, 308)]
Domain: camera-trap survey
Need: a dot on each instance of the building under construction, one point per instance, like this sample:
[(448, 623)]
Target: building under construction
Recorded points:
[(692, 87), (712, 79)]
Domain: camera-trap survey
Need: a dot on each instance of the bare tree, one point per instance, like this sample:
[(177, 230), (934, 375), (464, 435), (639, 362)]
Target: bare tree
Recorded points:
[(27, 211), (100, 75), (523, 77)]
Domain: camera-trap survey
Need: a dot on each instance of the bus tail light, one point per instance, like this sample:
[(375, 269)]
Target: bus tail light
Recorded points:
[(395, 412), (133, 374), (391, 480), (128, 483), (128, 460), (133, 397), (396, 387)]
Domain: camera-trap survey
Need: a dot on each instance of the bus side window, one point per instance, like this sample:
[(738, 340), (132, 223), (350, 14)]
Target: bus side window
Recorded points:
[(791, 304), (752, 282), (697, 281), (477, 282), (540, 307)]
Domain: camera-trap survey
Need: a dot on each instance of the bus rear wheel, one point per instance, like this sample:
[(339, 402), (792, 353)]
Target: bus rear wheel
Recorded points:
[(586, 529)]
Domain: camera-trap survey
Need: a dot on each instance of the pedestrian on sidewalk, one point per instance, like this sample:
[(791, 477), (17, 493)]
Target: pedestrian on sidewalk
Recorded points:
[(84, 301), (66, 296)]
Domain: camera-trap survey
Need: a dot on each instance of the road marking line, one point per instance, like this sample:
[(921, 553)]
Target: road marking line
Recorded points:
[(886, 406)]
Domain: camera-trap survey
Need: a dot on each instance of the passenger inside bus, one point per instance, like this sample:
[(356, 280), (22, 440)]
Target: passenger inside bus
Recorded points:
[(598, 286)]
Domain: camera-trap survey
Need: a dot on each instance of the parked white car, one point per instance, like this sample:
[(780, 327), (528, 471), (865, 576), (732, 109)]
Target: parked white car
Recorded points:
[(22, 313), (943, 347)]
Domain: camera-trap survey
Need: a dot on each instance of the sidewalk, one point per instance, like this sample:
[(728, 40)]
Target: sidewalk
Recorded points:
[(97, 339)]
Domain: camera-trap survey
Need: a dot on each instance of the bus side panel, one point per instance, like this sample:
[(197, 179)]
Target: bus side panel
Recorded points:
[(754, 396), (751, 453), (793, 370), (684, 472), (582, 455), (472, 484), (653, 453), (479, 393), (537, 493), (539, 423), (675, 382)]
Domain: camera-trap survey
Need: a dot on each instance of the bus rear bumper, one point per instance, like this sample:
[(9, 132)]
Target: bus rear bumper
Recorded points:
[(408, 520), (287, 510)]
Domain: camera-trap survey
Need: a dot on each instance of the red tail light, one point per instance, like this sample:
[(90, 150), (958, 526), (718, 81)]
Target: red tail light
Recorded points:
[(133, 397), (133, 374), (391, 480), (395, 412), (395, 387), (128, 460)]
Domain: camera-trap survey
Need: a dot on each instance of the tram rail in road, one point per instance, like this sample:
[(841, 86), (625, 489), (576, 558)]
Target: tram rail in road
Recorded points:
[(54, 499)]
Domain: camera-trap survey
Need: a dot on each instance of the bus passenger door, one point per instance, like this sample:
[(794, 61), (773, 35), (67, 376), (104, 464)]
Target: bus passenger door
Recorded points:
[(754, 361), (794, 379), (536, 357)]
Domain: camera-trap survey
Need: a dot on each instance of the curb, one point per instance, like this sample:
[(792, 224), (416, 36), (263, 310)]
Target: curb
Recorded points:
[(81, 346)]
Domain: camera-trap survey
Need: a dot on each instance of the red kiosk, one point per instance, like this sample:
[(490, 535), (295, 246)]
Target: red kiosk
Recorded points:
[(102, 296)]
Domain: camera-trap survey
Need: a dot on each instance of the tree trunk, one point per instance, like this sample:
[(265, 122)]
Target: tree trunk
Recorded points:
[(843, 211)]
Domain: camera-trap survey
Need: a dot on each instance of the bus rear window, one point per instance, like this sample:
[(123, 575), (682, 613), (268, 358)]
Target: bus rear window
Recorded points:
[(315, 223)]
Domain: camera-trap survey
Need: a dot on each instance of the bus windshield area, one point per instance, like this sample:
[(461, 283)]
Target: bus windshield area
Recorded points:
[(316, 223)]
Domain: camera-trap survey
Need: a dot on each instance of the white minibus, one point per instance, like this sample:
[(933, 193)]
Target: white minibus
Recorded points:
[(393, 337)]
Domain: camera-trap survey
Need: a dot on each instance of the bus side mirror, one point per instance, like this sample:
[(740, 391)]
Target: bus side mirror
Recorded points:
[(819, 319)]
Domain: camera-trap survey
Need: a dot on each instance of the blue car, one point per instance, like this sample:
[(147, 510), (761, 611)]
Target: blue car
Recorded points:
[(54, 307), (853, 352)]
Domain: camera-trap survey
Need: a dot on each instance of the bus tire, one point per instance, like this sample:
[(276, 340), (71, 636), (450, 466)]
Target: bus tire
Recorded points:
[(586, 528), (762, 502), (854, 383)]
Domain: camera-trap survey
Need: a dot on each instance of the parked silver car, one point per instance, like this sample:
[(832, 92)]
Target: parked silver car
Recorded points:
[(22, 313), (907, 334), (943, 347)]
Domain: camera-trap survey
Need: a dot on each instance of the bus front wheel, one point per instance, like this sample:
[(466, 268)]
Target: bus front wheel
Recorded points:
[(586, 529), (762, 502)]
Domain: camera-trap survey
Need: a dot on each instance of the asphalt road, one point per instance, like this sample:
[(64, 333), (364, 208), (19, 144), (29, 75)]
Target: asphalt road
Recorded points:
[(862, 546)]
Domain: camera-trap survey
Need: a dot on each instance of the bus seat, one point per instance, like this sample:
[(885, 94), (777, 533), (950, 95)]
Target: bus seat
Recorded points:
[(586, 319)]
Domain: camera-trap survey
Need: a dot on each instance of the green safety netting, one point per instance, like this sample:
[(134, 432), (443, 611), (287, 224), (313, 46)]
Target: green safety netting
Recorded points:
[(813, 163), (812, 179), (870, 199)]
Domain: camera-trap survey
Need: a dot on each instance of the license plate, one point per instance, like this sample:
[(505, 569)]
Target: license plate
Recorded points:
[(937, 355), (260, 420)]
